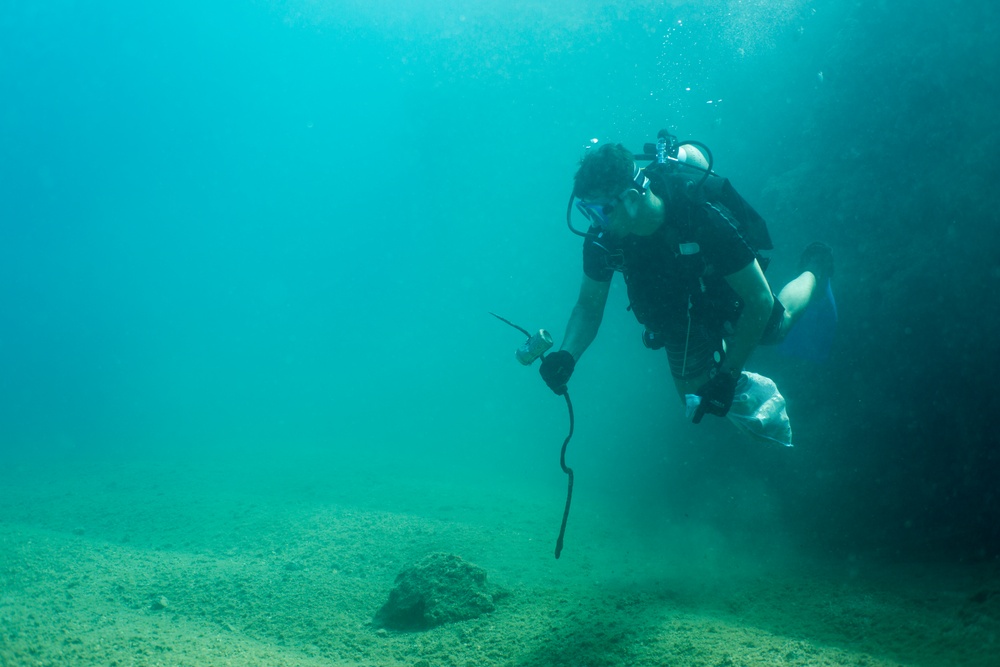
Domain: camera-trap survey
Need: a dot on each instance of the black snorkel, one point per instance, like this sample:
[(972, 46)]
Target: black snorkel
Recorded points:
[(569, 215), (665, 151)]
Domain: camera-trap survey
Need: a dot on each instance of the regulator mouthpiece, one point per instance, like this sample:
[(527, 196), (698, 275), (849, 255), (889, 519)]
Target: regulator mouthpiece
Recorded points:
[(534, 347)]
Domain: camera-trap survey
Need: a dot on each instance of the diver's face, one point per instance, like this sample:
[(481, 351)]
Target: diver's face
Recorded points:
[(621, 218), (641, 213), (600, 212), (611, 212), (615, 215)]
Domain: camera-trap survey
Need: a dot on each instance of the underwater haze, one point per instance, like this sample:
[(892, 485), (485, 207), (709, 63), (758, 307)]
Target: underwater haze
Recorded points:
[(249, 253)]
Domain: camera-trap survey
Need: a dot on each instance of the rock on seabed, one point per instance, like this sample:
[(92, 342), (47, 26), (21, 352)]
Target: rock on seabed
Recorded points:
[(441, 588)]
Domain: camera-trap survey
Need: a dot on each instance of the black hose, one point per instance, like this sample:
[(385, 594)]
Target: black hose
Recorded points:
[(562, 454), (569, 473), (708, 153), (508, 322), (569, 216)]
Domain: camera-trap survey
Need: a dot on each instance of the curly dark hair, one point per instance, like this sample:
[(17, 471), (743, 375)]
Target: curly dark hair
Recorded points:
[(604, 173)]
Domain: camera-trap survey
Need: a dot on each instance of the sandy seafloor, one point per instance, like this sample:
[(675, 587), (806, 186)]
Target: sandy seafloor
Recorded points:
[(228, 563)]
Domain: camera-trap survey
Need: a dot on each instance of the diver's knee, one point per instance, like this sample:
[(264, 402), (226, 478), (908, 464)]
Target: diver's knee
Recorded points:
[(778, 334)]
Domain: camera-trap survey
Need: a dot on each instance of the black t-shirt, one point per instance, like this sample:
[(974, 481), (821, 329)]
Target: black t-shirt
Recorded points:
[(673, 265)]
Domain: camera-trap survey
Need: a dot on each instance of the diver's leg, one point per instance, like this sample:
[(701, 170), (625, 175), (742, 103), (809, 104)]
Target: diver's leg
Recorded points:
[(795, 297), (690, 385), (816, 265), (691, 353)]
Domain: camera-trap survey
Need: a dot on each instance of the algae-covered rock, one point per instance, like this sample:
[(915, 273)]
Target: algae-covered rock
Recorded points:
[(441, 588)]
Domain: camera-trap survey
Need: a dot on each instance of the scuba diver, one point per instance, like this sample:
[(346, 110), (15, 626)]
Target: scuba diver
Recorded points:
[(689, 248)]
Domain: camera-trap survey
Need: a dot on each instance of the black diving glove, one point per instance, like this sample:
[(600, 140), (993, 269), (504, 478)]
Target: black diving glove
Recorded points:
[(716, 396), (556, 370)]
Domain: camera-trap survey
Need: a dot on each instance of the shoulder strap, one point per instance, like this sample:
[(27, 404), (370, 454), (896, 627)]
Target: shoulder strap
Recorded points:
[(752, 225), (677, 183)]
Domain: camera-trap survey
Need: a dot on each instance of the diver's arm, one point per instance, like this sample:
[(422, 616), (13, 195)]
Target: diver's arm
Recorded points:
[(586, 318), (751, 286)]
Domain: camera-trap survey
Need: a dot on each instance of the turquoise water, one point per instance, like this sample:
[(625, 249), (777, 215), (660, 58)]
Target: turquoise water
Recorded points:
[(287, 221), (253, 247)]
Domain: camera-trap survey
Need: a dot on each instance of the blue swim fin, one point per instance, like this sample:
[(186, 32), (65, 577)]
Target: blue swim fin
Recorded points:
[(812, 336)]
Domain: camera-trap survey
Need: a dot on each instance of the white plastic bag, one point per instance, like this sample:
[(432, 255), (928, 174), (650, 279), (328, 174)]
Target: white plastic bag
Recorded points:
[(758, 409)]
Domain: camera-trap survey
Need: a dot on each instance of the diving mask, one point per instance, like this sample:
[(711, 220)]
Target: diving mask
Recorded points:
[(599, 211)]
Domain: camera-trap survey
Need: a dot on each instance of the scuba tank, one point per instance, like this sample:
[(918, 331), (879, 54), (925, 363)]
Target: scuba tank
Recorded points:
[(686, 167)]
